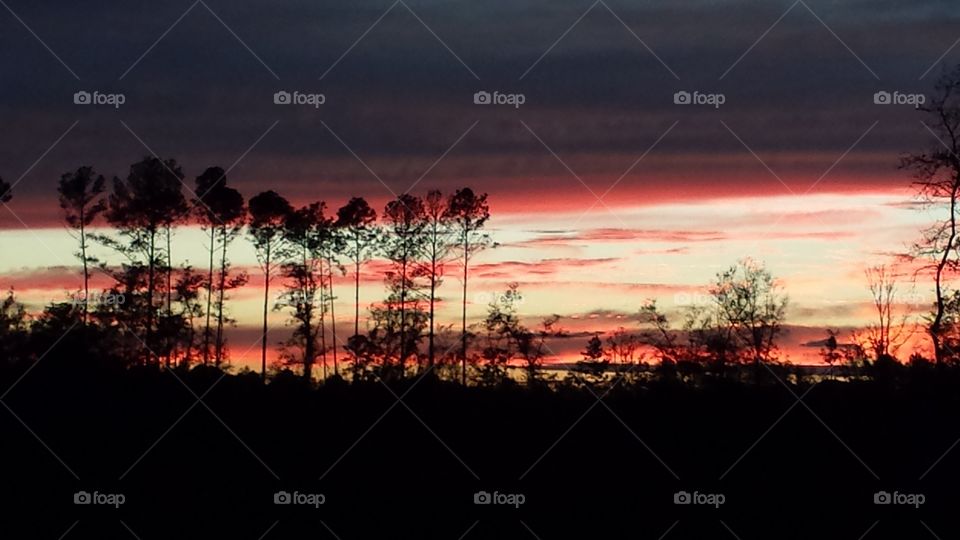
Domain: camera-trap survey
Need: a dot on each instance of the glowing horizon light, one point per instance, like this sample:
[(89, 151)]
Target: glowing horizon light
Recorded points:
[(594, 269)]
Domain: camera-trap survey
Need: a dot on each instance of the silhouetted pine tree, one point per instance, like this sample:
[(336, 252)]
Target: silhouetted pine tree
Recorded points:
[(440, 242), (332, 244), (404, 246), (469, 213), (268, 214), (82, 202), (141, 208), (302, 272)]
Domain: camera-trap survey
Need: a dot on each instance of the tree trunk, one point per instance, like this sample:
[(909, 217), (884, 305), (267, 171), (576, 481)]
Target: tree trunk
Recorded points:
[(220, 294), (266, 301), (433, 295), (86, 271), (463, 331), (333, 320), (323, 319), (356, 291), (169, 272), (309, 353), (308, 350), (151, 287), (190, 337), (403, 314), (169, 292), (206, 328), (433, 288), (936, 325)]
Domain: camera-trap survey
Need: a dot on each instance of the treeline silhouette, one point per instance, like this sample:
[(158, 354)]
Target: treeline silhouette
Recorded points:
[(163, 314), (160, 314)]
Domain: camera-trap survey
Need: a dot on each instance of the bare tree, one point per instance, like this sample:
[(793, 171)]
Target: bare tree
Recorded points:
[(622, 346), (889, 332), (742, 322), (937, 179), (750, 304), (532, 347), (659, 335)]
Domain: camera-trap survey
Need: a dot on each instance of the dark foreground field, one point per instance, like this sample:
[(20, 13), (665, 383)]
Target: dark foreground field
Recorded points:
[(410, 469)]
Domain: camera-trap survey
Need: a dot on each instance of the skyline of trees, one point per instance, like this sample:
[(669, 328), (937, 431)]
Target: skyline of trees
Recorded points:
[(418, 237), (306, 246), (153, 304)]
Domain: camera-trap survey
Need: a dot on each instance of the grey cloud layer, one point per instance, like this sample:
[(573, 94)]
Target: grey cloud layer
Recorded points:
[(400, 98)]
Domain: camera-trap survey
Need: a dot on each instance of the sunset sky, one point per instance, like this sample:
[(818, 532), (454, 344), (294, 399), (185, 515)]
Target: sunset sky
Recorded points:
[(603, 191)]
